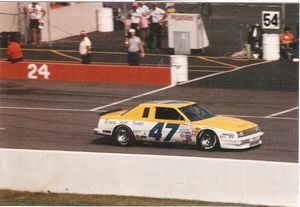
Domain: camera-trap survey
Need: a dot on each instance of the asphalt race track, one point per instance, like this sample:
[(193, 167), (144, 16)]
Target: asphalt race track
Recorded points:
[(59, 115)]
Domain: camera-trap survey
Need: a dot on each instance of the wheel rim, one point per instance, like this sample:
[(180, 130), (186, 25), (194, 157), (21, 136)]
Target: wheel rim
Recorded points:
[(208, 141), (123, 137)]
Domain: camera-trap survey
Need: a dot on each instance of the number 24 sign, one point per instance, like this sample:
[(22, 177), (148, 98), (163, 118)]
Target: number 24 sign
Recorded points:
[(36, 72), (270, 19)]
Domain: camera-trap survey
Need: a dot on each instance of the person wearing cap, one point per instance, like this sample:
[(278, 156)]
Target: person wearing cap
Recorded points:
[(135, 48), (158, 16), (85, 48), (36, 12)]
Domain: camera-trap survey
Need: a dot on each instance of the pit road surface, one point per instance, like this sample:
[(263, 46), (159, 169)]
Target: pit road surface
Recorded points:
[(61, 115)]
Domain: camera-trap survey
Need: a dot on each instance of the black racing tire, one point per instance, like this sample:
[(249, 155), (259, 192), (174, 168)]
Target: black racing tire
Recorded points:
[(208, 140), (123, 136)]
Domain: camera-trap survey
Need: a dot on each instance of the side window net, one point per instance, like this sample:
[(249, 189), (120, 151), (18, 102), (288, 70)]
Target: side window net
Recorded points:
[(167, 113)]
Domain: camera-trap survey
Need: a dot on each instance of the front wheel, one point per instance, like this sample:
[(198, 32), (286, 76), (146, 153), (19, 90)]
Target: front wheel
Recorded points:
[(123, 136), (208, 140)]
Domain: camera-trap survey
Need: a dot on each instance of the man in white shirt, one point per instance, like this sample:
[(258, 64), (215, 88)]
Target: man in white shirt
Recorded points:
[(143, 9), (36, 12), (85, 48), (135, 48), (157, 15), (135, 17)]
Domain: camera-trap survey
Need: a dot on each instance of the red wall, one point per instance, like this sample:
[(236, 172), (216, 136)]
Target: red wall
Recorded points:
[(86, 73)]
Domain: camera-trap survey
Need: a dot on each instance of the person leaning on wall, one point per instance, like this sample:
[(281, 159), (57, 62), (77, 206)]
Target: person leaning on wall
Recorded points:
[(135, 48), (85, 48), (14, 50)]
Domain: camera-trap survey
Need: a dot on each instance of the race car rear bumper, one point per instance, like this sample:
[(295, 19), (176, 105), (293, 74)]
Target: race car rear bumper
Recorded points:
[(242, 142)]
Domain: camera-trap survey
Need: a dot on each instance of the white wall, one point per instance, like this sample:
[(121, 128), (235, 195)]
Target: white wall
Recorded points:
[(70, 20), (9, 23), (64, 21), (221, 180)]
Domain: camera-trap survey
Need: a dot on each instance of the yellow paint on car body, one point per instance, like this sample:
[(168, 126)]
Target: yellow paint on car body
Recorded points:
[(227, 123), (221, 122)]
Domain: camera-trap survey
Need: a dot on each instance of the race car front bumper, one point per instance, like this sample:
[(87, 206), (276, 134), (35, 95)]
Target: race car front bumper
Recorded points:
[(96, 131), (242, 142), (102, 132)]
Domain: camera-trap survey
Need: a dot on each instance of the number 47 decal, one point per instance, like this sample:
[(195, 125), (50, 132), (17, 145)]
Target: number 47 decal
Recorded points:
[(156, 131)]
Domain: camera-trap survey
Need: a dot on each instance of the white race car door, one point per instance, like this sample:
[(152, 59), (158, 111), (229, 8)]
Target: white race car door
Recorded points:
[(168, 126)]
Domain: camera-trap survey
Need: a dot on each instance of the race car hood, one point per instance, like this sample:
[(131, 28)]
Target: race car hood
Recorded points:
[(226, 123)]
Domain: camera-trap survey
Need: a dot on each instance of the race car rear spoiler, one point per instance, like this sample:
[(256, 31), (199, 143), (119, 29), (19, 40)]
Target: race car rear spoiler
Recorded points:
[(109, 111)]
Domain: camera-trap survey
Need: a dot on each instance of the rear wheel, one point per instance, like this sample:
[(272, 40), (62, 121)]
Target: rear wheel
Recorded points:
[(208, 140), (123, 136)]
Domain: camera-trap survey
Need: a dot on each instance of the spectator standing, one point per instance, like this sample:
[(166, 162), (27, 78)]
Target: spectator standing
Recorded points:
[(85, 48), (144, 9), (287, 37), (36, 12), (157, 16), (14, 51), (145, 15), (287, 41), (135, 17), (135, 48)]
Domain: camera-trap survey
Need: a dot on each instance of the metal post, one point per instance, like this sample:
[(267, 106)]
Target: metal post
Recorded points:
[(22, 23), (49, 23), (242, 36), (125, 15), (283, 15)]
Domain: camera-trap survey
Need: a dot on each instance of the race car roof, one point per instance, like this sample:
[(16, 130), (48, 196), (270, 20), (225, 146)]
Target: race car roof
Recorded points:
[(170, 103)]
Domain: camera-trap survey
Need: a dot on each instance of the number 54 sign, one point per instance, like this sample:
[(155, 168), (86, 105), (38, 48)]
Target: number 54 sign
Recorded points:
[(270, 19)]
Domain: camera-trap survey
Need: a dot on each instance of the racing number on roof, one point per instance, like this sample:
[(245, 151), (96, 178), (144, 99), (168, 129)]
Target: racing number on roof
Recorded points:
[(156, 131), (270, 19)]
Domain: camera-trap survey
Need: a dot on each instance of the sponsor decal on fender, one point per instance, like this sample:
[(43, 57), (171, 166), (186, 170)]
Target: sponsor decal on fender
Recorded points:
[(109, 122)]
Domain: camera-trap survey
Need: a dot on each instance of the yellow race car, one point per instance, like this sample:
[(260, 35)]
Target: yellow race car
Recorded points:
[(178, 121)]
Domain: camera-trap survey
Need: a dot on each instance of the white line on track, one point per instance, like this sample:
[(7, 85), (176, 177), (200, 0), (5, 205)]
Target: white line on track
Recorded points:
[(131, 98), (171, 86), (209, 71), (82, 110), (43, 109), (223, 72), (283, 112), (2, 128)]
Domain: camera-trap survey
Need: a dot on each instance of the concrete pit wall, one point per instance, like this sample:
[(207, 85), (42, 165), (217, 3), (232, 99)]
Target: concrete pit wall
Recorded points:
[(207, 179), (121, 74)]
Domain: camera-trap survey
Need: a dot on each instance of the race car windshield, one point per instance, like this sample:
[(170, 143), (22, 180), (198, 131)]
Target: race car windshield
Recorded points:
[(196, 113)]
